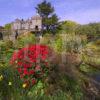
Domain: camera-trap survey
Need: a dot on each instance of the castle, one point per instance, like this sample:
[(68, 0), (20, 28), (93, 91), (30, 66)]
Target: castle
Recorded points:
[(33, 24)]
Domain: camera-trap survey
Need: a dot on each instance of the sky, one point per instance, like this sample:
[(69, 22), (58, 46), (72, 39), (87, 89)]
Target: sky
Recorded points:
[(80, 11)]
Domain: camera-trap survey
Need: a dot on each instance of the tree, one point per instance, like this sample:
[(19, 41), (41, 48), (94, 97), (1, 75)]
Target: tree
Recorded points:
[(90, 30), (69, 26), (85, 29), (96, 27), (7, 27), (49, 18)]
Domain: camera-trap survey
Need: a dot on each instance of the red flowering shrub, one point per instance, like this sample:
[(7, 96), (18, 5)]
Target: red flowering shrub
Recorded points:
[(31, 63)]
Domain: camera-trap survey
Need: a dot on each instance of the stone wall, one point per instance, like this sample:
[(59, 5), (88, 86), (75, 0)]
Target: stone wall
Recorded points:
[(30, 24)]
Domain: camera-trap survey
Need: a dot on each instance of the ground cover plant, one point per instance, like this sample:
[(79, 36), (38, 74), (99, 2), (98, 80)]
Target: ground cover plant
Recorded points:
[(62, 62)]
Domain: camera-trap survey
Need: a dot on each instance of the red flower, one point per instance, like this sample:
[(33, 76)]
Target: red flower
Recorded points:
[(37, 68), (14, 57), (20, 63), (19, 70), (25, 71), (33, 81), (31, 72), (29, 60), (27, 65), (22, 75), (46, 63)]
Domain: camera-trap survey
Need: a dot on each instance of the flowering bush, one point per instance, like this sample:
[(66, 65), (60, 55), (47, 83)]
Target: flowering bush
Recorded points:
[(31, 63)]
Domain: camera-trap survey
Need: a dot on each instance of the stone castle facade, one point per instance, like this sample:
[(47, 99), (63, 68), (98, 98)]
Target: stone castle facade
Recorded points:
[(33, 24)]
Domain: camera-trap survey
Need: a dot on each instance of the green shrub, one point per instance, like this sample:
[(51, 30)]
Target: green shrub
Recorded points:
[(47, 39), (9, 44), (67, 43), (25, 40), (2, 46), (59, 95), (6, 50), (10, 84)]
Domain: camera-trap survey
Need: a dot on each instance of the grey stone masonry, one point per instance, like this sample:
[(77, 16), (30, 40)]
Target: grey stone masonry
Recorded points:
[(33, 24)]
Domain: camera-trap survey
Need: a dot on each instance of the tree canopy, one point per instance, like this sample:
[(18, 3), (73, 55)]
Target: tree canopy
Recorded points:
[(69, 26), (89, 29), (49, 18), (7, 26)]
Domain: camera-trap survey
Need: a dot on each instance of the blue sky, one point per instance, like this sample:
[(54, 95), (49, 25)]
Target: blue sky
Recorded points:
[(81, 11)]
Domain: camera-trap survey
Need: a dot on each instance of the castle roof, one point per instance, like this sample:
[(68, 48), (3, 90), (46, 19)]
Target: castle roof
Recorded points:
[(1, 27), (17, 20), (28, 21), (36, 17)]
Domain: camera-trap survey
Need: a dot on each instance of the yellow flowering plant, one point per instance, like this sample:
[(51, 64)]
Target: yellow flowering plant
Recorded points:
[(9, 81), (1, 77)]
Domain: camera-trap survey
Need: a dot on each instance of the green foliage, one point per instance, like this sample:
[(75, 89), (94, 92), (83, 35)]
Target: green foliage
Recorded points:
[(58, 45), (85, 29), (45, 8), (25, 40), (65, 87), (37, 89), (72, 86), (96, 27), (64, 42), (9, 80), (47, 39), (6, 50), (50, 19), (8, 44), (91, 54), (5, 45), (59, 95), (2, 45), (92, 29), (68, 43), (68, 27), (7, 26), (88, 69)]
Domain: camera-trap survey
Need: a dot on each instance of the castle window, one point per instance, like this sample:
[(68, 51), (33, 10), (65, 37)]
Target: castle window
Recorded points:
[(36, 27)]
